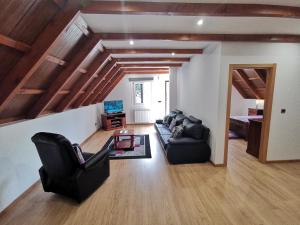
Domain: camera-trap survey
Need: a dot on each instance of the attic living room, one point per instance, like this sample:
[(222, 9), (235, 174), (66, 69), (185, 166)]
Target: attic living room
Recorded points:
[(149, 112)]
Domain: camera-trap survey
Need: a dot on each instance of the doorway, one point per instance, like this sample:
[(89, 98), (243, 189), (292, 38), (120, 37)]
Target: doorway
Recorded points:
[(167, 97), (253, 127)]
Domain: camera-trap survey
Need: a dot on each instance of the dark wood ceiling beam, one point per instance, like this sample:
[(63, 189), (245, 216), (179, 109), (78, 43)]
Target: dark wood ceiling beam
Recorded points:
[(149, 65), (28, 64), (90, 89), (246, 81), (155, 51), (31, 91), (110, 86), (191, 9), (84, 29), (56, 60), (38, 91), (276, 38), (153, 59), (65, 76), (145, 69), (105, 86), (60, 3), (261, 76), (110, 74), (239, 88), (145, 72), (98, 62), (18, 45)]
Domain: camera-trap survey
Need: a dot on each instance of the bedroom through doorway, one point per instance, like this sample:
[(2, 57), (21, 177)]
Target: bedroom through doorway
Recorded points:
[(249, 106)]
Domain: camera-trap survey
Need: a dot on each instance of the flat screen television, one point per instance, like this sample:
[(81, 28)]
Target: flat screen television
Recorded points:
[(113, 106)]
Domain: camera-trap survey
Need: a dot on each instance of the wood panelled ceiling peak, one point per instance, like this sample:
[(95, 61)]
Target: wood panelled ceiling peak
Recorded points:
[(55, 63)]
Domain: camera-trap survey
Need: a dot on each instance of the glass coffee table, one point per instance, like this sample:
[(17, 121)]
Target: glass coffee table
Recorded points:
[(124, 144)]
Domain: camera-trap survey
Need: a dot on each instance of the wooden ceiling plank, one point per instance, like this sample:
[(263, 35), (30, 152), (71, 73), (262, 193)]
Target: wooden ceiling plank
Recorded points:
[(155, 51), (64, 77), (28, 64), (90, 89), (191, 9), (18, 45), (273, 38), (245, 78), (100, 87), (98, 62), (153, 59), (149, 65)]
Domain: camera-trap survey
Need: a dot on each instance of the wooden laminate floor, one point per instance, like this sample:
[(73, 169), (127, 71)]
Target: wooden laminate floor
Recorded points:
[(152, 192)]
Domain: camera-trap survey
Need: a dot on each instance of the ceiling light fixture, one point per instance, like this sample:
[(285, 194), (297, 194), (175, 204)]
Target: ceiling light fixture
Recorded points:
[(131, 42), (200, 22), (173, 53)]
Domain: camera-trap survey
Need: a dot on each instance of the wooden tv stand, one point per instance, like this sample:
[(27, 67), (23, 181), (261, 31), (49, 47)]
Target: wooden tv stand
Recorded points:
[(113, 121)]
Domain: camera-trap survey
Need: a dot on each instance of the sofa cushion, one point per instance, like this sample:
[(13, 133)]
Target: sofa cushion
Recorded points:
[(178, 131), (165, 139), (172, 125), (167, 120), (164, 130), (179, 119), (176, 111), (193, 130), (194, 120)]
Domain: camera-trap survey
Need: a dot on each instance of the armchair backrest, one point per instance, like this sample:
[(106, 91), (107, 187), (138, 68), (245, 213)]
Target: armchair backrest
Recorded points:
[(56, 153)]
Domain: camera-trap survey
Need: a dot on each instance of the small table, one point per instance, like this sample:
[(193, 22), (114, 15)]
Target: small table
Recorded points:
[(127, 144)]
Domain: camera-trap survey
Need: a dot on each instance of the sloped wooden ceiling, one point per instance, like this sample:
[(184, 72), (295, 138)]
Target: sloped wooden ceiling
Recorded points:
[(250, 83), (51, 61)]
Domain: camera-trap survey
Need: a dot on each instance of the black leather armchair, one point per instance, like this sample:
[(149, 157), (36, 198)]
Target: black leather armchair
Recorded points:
[(61, 171)]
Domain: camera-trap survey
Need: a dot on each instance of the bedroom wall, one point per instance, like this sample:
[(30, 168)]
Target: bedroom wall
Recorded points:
[(197, 90), (19, 160), (284, 142), (124, 91), (240, 105)]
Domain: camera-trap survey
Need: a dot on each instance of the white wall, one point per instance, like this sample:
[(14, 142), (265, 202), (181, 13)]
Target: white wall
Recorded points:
[(284, 142), (202, 91), (19, 160), (240, 105), (197, 86), (124, 91)]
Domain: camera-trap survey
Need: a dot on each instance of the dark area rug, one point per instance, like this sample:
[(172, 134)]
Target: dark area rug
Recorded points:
[(141, 148)]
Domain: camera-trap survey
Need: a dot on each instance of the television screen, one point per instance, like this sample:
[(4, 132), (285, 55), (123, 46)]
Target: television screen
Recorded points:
[(113, 106)]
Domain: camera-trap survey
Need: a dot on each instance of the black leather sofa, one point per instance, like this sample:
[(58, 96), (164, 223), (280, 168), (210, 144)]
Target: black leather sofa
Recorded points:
[(192, 147), (61, 172)]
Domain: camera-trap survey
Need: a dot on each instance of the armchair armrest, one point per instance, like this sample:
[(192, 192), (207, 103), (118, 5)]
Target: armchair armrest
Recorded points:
[(159, 121), (95, 159)]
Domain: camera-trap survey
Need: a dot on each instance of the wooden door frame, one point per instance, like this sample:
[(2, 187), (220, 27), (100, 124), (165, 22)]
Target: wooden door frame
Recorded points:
[(270, 81)]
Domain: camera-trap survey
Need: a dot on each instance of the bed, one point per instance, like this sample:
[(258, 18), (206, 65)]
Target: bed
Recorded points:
[(240, 125)]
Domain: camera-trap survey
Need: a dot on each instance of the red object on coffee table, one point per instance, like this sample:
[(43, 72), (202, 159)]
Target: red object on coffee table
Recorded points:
[(127, 144)]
